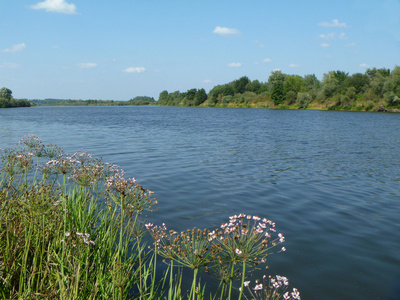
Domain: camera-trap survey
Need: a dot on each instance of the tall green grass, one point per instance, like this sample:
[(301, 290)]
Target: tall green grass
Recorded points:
[(72, 227)]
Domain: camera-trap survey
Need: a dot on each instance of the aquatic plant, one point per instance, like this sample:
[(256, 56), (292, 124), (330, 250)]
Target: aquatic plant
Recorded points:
[(72, 227)]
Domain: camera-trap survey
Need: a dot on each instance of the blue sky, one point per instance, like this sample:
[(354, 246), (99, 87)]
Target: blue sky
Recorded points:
[(81, 49)]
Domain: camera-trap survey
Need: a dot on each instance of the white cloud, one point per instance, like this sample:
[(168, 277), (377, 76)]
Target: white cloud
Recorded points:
[(335, 23), (59, 6), (207, 81), (350, 45), (328, 36), (343, 36), (266, 60), (87, 65), (364, 65), (10, 66), (234, 65), (325, 45), (225, 31), (15, 48), (294, 65), (135, 70)]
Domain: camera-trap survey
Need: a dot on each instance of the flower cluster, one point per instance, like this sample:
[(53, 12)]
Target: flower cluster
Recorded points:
[(128, 194), (247, 236), (271, 288), (222, 252), (76, 238), (62, 165), (157, 232), (189, 248)]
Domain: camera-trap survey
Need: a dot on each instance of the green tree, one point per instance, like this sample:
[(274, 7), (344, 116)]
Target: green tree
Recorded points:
[(377, 78), (239, 86), (163, 98), (253, 86), (330, 84), (292, 85), (190, 94), (391, 87), (5, 93), (200, 97), (276, 82), (311, 82), (358, 81)]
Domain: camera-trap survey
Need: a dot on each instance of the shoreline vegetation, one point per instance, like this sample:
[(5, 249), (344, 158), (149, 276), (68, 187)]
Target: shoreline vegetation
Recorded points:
[(374, 90), (73, 227)]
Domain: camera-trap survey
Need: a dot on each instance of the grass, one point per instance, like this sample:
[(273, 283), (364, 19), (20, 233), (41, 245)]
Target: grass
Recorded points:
[(72, 227)]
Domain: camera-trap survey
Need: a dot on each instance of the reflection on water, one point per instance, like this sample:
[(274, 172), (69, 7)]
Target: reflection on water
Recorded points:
[(330, 180)]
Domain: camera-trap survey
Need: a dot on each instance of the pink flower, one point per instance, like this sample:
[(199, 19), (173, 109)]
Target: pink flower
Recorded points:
[(258, 287)]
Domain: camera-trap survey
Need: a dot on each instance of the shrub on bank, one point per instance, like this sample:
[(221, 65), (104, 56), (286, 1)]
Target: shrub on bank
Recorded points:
[(72, 227)]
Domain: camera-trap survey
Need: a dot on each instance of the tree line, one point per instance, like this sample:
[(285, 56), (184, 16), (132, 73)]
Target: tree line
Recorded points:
[(375, 89), (7, 100), (139, 100)]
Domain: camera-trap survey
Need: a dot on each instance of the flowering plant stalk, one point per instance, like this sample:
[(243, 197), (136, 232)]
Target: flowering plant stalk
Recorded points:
[(66, 239), (71, 227)]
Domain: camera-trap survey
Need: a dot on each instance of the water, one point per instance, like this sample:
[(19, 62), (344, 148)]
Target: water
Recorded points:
[(330, 180)]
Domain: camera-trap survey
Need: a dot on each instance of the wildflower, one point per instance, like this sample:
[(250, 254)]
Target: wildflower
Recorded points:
[(256, 218), (237, 251), (295, 294), (283, 249), (259, 229), (258, 287), (286, 296), (67, 234), (246, 283), (212, 235)]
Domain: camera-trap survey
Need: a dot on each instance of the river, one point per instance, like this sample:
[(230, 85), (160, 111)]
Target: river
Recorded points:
[(330, 180)]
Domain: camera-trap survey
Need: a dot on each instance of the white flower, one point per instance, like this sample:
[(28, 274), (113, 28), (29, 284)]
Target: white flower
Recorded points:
[(258, 287), (286, 296), (295, 294), (237, 251), (246, 283)]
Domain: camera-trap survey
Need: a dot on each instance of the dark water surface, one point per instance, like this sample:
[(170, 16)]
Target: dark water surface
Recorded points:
[(330, 180)]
